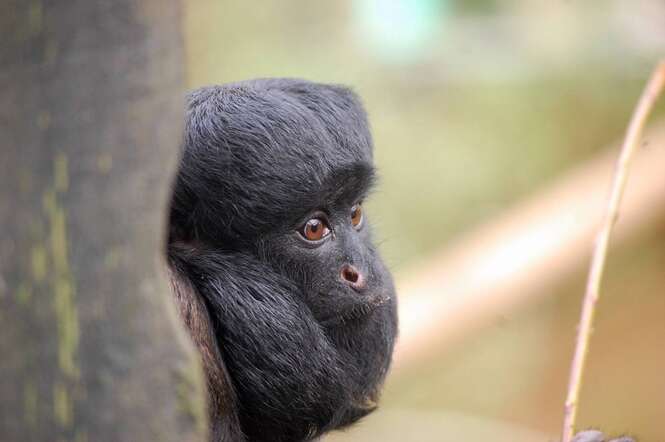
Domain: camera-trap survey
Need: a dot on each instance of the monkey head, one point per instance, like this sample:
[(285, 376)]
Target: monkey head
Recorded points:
[(277, 170)]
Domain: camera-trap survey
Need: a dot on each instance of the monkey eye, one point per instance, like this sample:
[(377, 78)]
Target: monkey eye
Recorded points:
[(356, 216), (315, 229)]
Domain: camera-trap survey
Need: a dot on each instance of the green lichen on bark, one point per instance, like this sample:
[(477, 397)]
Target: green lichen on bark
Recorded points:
[(35, 18), (62, 405), (23, 294), (51, 261), (39, 263), (188, 390)]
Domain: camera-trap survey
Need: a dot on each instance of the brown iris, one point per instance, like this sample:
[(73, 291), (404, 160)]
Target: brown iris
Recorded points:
[(356, 215), (315, 229)]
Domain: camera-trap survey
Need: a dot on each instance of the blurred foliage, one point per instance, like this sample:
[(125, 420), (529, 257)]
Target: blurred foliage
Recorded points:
[(453, 148)]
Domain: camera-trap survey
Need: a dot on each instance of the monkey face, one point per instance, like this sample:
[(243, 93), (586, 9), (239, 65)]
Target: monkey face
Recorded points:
[(328, 252)]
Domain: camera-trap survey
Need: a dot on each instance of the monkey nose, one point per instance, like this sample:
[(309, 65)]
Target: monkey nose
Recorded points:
[(353, 277)]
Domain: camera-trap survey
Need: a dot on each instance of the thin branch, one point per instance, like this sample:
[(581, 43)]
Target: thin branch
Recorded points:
[(644, 106)]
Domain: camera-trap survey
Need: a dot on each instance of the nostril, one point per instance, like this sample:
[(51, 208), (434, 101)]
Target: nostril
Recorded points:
[(350, 274), (352, 277)]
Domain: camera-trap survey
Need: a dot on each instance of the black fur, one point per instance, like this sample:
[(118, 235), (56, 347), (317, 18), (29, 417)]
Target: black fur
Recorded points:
[(304, 351)]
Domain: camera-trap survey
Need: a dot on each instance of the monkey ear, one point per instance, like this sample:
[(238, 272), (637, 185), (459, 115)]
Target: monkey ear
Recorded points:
[(222, 405)]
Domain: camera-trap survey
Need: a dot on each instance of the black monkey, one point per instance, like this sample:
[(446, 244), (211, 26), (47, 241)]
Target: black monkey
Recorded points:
[(272, 262)]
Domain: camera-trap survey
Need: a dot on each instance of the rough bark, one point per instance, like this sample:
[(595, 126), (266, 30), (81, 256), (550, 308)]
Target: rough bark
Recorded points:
[(90, 114)]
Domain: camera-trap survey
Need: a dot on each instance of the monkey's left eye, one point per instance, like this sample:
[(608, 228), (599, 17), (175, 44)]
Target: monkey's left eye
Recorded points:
[(315, 229)]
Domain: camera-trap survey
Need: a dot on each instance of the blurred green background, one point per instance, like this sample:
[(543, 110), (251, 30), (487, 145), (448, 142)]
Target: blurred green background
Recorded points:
[(475, 105)]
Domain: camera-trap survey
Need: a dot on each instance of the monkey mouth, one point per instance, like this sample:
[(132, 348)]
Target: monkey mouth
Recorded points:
[(357, 311)]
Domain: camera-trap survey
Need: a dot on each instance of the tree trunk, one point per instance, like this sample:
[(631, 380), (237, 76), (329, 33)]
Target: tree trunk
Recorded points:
[(90, 121)]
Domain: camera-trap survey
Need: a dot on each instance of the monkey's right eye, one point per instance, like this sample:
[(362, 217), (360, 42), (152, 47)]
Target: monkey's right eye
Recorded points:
[(315, 229)]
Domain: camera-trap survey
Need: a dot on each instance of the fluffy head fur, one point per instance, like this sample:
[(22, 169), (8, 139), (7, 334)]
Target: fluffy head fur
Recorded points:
[(263, 150)]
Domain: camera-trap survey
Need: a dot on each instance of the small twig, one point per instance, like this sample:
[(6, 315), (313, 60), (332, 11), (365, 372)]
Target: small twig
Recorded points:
[(644, 106)]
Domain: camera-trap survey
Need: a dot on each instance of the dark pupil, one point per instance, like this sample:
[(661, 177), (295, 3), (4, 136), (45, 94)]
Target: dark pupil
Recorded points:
[(314, 226)]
